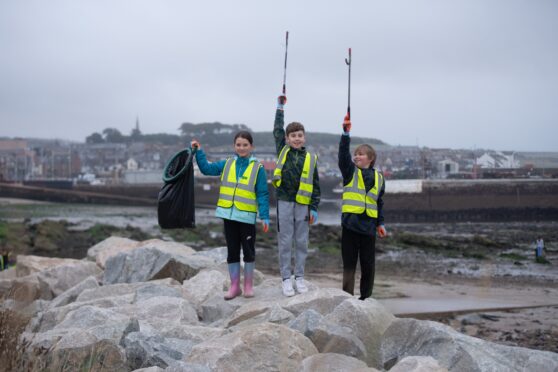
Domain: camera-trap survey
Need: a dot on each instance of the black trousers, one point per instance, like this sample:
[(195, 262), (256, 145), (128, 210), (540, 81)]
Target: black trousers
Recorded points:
[(239, 234), (353, 246)]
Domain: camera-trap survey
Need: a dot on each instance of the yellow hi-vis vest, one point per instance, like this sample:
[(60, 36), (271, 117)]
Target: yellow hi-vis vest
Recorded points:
[(304, 193), (242, 193), (357, 200)]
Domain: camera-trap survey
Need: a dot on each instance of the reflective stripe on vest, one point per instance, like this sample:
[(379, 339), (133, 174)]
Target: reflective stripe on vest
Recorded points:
[(306, 186), (357, 200), (242, 193)]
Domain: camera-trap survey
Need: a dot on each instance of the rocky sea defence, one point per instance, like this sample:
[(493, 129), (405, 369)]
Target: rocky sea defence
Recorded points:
[(155, 305)]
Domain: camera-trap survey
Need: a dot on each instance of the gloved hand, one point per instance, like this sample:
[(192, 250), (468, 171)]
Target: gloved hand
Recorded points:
[(313, 217), (265, 225), (381, 230), (347, 124), (281, 101), (195, 144)]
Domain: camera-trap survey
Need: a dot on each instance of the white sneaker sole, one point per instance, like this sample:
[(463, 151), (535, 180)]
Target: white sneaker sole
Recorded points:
[(289, 294)]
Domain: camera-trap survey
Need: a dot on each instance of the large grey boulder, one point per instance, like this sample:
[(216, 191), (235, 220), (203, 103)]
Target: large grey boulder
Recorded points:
[(418, 364), (122, 297), (306, 322), (48, 318), (48, 278), (330, 337), (86, 339), (204, 285), (60, 278), (331, 362), (104, 324), (77, 351), (71, 294), (322, 300), (161, 311), (9, 273), (28, 264), (248, 310), (190, 367), (109, 247), (194, 333), (26, 310), (149, 369), (456, 351), (23, 290), (219, 254), (120, 289), (144, 350), (367, 320), (261, 347), (169, 247), (215, 309), (149, 263), (273, 314)]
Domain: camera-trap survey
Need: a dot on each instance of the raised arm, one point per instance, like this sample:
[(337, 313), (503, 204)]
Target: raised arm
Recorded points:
[(278, 126), (207, 168), (346, 165)]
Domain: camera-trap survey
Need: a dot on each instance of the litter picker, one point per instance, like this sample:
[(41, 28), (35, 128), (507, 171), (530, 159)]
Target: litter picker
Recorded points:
[(285, 68), (348, 62)]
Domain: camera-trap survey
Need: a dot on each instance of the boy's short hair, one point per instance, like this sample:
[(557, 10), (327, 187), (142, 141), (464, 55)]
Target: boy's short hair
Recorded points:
[(295, 126), (369, 151)]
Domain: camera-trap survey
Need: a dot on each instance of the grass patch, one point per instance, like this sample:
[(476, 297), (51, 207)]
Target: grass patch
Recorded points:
[(12, 326), (513, 256), (475, 255), (330, 249)]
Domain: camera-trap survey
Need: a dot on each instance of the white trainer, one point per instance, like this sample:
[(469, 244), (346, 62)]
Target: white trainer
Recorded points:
[(288, 288), (300, 285)]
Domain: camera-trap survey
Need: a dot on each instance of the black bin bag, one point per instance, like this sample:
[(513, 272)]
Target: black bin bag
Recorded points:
[(175, 207)]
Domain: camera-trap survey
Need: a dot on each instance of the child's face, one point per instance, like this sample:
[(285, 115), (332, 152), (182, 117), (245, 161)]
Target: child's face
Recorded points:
[(243, 147), (296, 139), (362, 160)]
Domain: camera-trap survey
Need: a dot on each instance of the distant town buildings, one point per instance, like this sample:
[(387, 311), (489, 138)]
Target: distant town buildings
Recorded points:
[(497, 159), (137, 160)]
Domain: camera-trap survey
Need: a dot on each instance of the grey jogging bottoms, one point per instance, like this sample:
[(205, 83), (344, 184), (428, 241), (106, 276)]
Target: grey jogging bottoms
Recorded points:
[(292, 228)]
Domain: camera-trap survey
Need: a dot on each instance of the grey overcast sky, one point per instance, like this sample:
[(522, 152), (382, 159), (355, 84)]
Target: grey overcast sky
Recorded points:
[(437, 73)]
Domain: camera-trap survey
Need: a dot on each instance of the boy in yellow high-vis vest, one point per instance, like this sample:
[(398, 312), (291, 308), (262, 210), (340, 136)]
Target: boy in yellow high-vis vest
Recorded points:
[(362, 212), (297, 188)]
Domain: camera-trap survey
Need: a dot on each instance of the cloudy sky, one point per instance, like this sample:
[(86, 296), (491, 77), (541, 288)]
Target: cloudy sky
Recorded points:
[(437, 73)]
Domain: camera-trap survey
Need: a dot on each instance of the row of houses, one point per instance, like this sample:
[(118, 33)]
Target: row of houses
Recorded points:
[(23, 159)]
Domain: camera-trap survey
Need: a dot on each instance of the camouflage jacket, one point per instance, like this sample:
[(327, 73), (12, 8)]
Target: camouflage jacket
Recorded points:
[(290, 176)]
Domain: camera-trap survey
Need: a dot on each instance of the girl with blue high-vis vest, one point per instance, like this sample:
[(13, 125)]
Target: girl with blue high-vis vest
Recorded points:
[(362, 212), (242, 194)]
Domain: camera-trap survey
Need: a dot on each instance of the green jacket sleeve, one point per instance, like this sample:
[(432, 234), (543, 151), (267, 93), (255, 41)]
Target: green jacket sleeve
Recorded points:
[(278, 130)]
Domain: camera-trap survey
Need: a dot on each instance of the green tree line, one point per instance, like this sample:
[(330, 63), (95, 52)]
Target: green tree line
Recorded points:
[(211, 134)]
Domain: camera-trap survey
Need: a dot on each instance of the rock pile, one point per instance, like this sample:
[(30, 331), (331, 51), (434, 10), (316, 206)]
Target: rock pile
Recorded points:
[(158, 306)]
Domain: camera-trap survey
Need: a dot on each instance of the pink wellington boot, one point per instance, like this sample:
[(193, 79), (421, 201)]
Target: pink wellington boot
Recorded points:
[(234, 290), (249, 279)]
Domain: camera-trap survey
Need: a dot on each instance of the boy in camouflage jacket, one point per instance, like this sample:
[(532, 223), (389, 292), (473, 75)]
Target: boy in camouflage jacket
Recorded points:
[(297, 188)]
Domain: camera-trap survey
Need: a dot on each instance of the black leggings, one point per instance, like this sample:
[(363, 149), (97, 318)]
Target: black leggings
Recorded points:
[(354, 245), (240, 234)]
